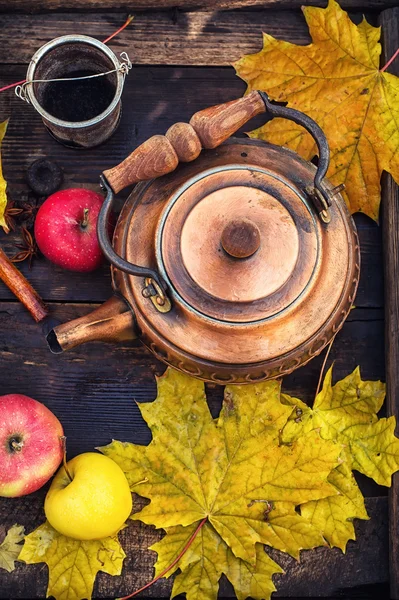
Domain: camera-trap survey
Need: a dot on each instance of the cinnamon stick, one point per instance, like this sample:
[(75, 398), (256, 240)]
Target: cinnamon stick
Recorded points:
[(21, 287)]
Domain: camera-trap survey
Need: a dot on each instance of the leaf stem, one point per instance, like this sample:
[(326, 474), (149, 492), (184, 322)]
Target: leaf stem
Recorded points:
[(186, 547), (127, 22), (323, 366), (388, 63), (7, 87)]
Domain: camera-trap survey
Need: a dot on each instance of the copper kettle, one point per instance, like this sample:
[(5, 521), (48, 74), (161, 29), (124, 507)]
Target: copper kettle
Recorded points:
[(239, 266)]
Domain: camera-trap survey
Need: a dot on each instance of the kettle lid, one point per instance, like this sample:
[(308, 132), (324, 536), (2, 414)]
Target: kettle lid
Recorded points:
[(239, 243)]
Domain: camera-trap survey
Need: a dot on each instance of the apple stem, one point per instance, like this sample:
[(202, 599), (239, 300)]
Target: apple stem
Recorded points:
[(64, 462), (85, 221), (16, 446)]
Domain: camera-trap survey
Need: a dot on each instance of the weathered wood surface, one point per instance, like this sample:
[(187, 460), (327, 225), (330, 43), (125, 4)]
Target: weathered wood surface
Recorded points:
[(320, 573), (32, 6), (390, 227), (92, 389), (161, 38), (158, 38)]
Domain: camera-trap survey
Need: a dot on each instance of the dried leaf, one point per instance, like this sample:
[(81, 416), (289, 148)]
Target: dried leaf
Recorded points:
[(3, 183), (336, 81), (233, 471), (347, 413), (73, 564), (10, 548)]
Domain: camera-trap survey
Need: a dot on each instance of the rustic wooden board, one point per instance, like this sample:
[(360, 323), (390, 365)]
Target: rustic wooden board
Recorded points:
[(158, 38), (390, 225), (320, 573), (132, 5), (92, 389)]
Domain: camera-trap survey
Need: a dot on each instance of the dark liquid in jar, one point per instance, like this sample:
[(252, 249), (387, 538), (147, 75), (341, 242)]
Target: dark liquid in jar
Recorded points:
[(78, 100)]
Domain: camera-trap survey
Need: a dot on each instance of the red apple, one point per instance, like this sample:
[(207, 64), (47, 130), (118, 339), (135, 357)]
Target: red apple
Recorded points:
[(30, 445), (65, 229)]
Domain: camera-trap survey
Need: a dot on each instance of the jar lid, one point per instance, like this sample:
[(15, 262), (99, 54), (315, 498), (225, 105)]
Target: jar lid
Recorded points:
[(238, 243)]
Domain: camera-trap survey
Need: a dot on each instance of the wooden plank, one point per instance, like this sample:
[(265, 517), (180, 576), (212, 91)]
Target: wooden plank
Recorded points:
[(390, 227), (133, 5), (321, 572), (158, 38), (172, 94), (99, 382)]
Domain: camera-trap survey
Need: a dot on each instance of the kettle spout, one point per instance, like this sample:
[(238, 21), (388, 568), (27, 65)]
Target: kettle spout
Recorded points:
[(113, 321)]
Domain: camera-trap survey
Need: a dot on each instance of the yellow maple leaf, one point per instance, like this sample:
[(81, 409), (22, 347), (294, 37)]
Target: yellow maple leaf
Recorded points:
[(73, 564), (3, 183), (205, 561), (233, 471), (334, 515), (335, 80), (10, 548), (346, 413)]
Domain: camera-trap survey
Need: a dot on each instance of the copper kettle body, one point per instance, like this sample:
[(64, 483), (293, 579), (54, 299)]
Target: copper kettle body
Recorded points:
[(237, 267)]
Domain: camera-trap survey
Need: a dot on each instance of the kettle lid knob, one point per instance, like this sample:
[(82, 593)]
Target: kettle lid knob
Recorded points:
[(240, 238)]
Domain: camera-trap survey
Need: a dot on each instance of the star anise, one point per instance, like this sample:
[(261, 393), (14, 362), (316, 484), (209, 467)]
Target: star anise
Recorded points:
[(11, 211), (29, 210), (28, 249)]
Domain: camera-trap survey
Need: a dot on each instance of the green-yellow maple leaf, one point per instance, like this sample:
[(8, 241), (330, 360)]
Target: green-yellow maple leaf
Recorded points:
[(346, 413), (3, 183), (207, 559), (335, 80), (10, 548), (233, 471), (73, 564), (334, 516)]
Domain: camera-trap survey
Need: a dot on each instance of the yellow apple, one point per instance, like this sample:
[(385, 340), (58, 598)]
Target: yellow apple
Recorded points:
[(95, 504)]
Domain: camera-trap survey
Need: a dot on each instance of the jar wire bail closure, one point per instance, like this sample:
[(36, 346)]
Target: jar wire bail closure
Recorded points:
[(124, 68)]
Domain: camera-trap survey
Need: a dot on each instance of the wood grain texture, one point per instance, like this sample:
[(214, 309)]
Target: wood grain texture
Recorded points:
[(153, 158), (92, 389), (185, 141), (159, 38), (321, 572), (216, 124), (131, 5), (214, 38), (158, 156), (27, 139), (390, 227)]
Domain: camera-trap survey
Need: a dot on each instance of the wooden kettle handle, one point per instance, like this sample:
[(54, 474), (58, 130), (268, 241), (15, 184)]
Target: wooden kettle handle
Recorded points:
[(183, 142)]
